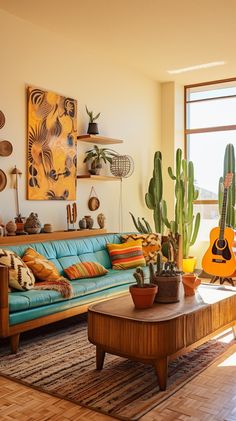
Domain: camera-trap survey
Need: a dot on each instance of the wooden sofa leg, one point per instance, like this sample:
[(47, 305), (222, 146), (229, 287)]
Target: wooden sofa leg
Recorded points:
[(14, 343)]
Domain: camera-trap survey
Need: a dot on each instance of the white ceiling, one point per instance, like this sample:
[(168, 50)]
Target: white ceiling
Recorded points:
[(152, 36)]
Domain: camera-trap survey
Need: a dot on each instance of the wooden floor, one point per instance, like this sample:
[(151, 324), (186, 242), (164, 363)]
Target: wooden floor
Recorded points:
[(210, 396)]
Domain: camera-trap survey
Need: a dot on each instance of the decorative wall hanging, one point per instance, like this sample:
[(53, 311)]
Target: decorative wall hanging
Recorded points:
[(2, 120), (71, 216), (93, 202), (6, 148), (52, 137), (16, 172)]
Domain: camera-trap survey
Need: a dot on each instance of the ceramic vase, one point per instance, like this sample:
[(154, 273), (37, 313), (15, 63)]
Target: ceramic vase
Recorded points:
[(190, 284)]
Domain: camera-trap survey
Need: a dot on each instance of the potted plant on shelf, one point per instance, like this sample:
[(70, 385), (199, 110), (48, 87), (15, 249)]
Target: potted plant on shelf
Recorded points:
[(143, 294), (92, 127), (167, 277), (97, 155)]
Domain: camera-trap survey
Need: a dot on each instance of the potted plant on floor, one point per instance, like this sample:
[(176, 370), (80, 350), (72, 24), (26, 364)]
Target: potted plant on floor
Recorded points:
[(96, 156), (143, 294), (92, 127)]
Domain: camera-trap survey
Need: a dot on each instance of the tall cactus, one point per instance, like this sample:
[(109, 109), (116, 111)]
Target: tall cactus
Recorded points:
[(229, 167), (185, 223), (153, 197)]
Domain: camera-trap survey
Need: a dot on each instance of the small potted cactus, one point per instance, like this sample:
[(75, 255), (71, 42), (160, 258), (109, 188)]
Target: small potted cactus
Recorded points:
[(167, 277), (143, 294), (92, 127)]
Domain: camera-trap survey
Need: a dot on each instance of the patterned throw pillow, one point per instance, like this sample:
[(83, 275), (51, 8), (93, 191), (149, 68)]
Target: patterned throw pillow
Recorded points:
[(85, 270), (41, 267), (126, 256), (20, 276), (151, 244)]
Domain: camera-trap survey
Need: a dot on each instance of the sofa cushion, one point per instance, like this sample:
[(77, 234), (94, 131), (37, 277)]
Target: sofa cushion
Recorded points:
[(42, 268), (19, 301), (85, 270), (151, 244), (20, 276), (127, 255)]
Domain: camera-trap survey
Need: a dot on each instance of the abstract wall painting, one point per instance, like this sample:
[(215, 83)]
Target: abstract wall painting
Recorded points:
[(52, 140)]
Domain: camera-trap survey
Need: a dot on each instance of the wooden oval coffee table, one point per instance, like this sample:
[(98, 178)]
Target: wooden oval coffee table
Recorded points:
[(163, 332)]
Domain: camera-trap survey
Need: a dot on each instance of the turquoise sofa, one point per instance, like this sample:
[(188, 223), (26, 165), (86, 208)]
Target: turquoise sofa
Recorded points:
[(21, 311)]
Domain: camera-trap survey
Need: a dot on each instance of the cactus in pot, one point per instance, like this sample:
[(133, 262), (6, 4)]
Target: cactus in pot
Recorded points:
[(167, 277), (229, 167), (186, 224), (153, 197), (143, 294)]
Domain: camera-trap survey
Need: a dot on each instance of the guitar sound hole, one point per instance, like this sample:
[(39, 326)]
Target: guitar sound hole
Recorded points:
[(221, 244)]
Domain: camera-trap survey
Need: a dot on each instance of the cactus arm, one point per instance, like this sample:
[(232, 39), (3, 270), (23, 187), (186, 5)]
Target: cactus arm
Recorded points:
[(149, 201), (170, 172), (164, 214), (196, 229)]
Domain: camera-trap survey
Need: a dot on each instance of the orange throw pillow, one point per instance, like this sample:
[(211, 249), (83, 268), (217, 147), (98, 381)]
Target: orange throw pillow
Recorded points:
[(126, 256), (42, 268), (85, 270)]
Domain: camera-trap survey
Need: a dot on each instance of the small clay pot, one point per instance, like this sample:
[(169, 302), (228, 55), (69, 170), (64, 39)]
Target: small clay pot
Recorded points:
[(11, 228), (143, 297), (92, 128), (47, 228), (168, 289), (190, 283), (82, 224), (89, 222)]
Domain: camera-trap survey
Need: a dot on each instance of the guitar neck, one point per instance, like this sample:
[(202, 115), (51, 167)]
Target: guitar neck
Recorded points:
[(223, 214)]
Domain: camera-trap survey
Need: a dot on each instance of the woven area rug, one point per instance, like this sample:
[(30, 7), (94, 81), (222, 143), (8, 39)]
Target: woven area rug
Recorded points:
[(58, 359)]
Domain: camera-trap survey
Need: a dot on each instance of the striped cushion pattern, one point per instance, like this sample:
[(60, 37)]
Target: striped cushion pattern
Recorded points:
[(85, 270), (126, 256)]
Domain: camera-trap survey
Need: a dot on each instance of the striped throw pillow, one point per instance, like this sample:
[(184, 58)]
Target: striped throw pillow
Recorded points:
[(85, 270), (151, 244), (126, 256)]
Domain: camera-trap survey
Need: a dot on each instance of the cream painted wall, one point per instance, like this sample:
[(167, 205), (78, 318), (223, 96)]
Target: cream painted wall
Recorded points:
[(128, 101)]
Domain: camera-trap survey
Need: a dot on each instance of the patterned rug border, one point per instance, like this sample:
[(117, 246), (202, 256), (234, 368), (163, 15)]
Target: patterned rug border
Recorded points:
[(166, 394)]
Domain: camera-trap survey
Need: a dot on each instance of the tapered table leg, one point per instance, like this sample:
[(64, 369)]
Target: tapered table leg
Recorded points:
[(234, 331), (161, 367), (100, 355), (14, 340)]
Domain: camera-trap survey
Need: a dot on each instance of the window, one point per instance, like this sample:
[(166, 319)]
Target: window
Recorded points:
[(210, 124)]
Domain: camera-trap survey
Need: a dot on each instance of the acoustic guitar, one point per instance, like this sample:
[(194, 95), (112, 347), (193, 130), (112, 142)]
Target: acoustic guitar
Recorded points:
[(219, 259)]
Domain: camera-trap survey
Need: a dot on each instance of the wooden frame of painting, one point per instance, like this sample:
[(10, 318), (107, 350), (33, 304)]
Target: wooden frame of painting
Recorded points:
[(52, 145)]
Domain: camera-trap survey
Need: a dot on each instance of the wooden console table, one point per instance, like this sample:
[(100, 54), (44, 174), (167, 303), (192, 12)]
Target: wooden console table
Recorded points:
[(162, 332), (51, 236)]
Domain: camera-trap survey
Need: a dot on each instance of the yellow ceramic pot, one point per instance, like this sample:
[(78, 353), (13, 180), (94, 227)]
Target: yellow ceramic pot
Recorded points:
[(189, 264)]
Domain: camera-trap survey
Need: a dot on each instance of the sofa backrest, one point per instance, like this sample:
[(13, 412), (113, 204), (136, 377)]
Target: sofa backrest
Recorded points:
[(64, 253)]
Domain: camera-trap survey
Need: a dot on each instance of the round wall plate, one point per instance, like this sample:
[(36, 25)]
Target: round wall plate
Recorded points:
[(3, 180), (93, 203), (2, 120), (6, 148)]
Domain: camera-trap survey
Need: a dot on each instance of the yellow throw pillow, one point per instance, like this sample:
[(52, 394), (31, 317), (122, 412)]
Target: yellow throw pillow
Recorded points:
[(151, 244), (20, 276), (41, 267), (126, 256)]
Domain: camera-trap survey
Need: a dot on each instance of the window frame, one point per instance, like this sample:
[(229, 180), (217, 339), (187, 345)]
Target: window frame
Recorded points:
[(204, 129)]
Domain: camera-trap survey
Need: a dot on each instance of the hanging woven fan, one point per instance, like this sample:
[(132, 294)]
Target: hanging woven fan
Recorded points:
[(122, 166)]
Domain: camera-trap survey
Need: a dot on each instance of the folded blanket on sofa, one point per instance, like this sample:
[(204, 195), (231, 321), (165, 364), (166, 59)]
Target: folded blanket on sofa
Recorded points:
[(61, 285)]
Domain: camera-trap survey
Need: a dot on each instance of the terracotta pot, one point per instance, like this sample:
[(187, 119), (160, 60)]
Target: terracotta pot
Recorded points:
[(168, 289), (190, 283), (143, 297), (189, 264)]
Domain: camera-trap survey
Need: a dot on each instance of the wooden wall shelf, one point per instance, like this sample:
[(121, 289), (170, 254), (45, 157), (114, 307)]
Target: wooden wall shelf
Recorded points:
[(56, 235), (102, 140), (98, 177)]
